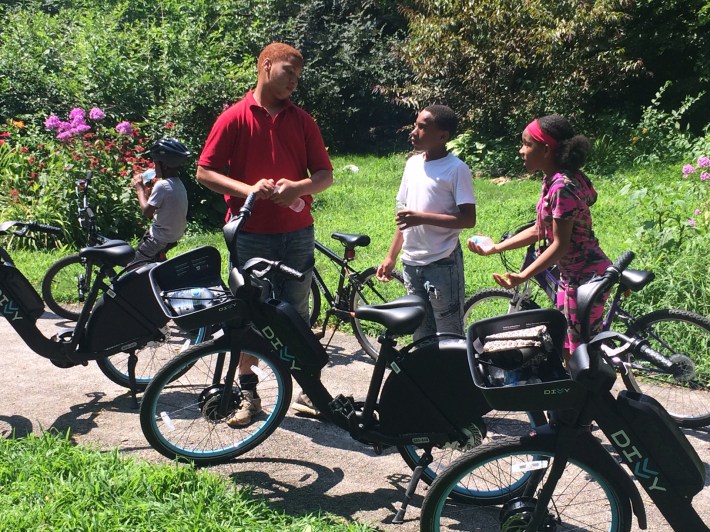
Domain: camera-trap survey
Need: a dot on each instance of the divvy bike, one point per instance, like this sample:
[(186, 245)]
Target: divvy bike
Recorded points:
[(120, 324), (560, 476), (426, 403), (679, 378)]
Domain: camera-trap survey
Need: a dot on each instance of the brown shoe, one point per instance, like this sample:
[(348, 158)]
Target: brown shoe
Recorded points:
[(248, 407), (303, 405)]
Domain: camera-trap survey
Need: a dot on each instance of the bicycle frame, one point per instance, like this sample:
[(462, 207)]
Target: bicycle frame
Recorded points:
[(338, 301), (21, 305)]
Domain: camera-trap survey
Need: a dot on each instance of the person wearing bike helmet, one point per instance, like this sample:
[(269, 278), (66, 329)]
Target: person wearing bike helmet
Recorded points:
[(165, 201)]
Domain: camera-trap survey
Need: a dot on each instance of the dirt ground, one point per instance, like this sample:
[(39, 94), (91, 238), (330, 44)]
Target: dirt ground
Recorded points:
[(305, 466)]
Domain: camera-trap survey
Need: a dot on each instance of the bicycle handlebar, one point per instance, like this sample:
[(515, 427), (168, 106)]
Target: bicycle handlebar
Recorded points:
[(25, 227)]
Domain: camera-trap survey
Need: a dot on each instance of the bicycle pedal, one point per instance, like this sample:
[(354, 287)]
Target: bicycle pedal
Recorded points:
[(343, 405)]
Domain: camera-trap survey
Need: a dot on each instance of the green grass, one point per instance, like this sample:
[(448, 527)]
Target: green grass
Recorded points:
[(46, 483)]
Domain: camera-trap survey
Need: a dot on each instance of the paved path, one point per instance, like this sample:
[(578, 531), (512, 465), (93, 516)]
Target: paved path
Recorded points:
[(305, 466)]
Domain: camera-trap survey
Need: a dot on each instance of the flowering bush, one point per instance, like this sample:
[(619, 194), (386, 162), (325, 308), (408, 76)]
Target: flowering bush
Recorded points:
[(674, 210), (41, 161)]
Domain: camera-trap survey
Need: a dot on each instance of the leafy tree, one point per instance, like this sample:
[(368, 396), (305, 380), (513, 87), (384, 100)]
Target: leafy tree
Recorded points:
[(348, 46), (501, 62)]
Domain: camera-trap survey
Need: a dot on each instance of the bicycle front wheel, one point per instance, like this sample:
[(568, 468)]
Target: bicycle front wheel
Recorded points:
[(584, 498), (684, 338), (499, 425), (491, 302), (67, 283), (371, 291), (184, 410), (152, 357)]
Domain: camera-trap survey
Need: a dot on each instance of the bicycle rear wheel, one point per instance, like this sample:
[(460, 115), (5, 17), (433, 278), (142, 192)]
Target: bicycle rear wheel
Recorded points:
[(499, 425), (491, 302), (682, 337), (371, 291), (585, 498), (152, 357), (184, 410), (66, 284)]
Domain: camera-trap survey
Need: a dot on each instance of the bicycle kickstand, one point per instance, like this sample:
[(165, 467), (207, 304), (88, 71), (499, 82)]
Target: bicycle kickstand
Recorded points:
[(132, 361), (423, 463)]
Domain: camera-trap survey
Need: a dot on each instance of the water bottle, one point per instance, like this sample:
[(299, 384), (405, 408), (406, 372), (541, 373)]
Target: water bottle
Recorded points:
[(148, 176), (484, 242), (297, 205), (190, 300)]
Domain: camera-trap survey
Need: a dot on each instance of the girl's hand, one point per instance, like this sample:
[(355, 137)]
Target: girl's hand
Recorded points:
[(477, 249), (508, 280)]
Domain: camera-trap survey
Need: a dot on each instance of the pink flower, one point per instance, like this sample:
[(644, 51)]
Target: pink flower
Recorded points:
[(52, 122), (124, 128), (703, 162), (687, 170), (704, 176), (691, 222), (697, 211), (97, 114)]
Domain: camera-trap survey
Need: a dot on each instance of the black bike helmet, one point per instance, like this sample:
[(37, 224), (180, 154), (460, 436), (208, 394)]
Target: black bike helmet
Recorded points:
[(170, 152)]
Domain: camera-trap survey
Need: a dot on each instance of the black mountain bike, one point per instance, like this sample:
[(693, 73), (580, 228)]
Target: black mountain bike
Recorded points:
[(67, 282), (120, 324), (420, 397), (560, 476), (354, 289), (679, 379)]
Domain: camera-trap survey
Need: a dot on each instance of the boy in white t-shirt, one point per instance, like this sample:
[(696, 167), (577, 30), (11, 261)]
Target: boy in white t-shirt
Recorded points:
[(436, 202), (166, 203)]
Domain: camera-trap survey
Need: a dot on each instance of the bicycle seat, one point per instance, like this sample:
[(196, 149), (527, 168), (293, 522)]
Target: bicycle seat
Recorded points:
[(351, 241), (109, 253), (399, 316), (635, 280)]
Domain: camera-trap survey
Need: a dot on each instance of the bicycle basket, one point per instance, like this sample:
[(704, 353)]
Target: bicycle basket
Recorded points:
[(178, 286), (516, 360)]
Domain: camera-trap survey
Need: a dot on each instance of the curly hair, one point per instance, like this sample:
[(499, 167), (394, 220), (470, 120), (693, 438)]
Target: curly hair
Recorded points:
[(278, 51), (444, 118), (572, 149)]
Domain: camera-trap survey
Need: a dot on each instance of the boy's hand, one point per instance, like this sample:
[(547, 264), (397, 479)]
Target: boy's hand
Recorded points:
[(138, 182), (384, 271), (405, 219), (264, 188)]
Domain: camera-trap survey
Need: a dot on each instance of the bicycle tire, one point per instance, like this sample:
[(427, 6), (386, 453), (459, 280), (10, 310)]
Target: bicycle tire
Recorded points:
[(585, 497), (153, 356), (676, 333), (178, 414), (490, 302), (499, 424), (60, 288), (314, 303), (371, 291)]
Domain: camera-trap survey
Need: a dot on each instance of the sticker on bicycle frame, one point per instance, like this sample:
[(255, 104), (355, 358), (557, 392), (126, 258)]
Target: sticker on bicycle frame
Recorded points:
[(532, 465)]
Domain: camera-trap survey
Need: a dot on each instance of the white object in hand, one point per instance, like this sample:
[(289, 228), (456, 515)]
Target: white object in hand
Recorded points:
[(297, 205), (148, 175), (484, 242)]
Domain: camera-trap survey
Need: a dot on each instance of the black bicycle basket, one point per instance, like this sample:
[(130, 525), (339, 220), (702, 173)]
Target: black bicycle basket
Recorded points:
[(516, 361), (176, 284)]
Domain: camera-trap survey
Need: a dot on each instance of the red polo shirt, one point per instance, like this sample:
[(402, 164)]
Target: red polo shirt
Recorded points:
[(247, 144)]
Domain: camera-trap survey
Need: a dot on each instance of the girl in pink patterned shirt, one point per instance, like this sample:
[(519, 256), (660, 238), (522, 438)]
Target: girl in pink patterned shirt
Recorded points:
[(564, 222)]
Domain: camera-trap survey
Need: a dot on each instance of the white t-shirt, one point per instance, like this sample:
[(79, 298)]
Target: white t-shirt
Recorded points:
[(438, 186), (169, 198)]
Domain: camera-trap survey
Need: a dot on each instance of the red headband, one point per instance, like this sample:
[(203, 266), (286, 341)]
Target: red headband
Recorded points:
[(539, 135)]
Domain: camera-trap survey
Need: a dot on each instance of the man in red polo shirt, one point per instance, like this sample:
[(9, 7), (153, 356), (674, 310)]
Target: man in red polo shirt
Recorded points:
[(267, 145)]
